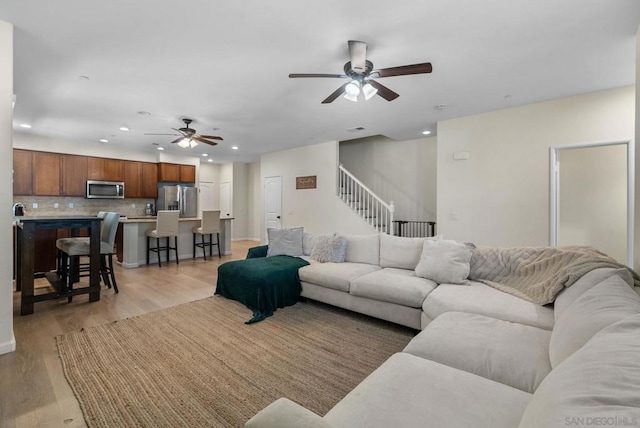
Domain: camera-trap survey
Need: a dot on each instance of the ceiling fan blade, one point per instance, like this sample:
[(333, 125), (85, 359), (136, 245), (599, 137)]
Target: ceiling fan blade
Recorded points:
[(210, 137), (294, 75), (180, 131), (404, 70), (202, 140), (383, 91), (331, 98), (358, 54), (177, 140), (160, 134)]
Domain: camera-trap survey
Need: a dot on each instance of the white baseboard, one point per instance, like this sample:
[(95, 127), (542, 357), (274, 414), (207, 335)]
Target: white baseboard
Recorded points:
[(9, 346), (246, 239)]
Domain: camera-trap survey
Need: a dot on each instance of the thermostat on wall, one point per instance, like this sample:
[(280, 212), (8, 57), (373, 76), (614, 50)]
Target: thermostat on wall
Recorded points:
[(461, 156)]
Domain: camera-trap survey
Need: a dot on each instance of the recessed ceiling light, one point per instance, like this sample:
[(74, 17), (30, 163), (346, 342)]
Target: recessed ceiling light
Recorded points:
[(144, 113), (160, 148), (124, 128), (25, 125), (234, 147), (440, 106), (210, 160), (103, 140), (426, 132), (205, 155)]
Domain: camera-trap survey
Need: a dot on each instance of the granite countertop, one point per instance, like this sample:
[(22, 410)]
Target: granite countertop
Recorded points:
[(152, 219)]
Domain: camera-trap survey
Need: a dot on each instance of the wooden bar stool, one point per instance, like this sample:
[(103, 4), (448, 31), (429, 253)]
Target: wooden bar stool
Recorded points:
[(166, 227), (210, 225)]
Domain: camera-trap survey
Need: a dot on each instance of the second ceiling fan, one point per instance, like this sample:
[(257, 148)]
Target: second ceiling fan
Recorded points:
[(362, 75)]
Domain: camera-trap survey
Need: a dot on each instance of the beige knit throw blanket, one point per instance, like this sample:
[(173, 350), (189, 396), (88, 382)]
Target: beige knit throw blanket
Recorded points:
[(537, 274)]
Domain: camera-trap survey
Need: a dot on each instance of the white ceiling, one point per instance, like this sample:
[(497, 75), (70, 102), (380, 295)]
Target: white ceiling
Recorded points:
[(226, 64)]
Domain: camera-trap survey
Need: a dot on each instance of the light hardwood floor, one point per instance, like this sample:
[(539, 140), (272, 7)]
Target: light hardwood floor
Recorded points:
[(33, 389)]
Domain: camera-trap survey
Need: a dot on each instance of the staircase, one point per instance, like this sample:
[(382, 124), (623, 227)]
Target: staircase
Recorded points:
[(373, 210)]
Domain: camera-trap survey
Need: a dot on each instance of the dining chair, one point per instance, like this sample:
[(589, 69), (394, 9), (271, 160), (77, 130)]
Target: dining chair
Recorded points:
[(210, 225), (167, 224), (72, 249)]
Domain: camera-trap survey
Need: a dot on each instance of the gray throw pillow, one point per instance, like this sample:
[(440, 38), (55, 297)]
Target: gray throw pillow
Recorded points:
[(445, 261), (285, 242), (329, 248)]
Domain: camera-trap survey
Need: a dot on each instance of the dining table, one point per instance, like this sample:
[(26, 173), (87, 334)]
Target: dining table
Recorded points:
[(25, 255)]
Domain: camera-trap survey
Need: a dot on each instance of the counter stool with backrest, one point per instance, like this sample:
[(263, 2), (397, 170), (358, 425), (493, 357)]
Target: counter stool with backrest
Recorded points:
[(166, 227), (210, 225), (71, 249)]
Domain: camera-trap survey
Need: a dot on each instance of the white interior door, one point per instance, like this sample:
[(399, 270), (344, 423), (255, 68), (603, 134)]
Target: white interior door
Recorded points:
[(206, 193), (273, 202), (225, 200), (592, 204)]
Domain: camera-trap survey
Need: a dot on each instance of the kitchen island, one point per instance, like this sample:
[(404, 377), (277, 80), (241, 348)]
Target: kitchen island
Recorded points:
[(132, 249)]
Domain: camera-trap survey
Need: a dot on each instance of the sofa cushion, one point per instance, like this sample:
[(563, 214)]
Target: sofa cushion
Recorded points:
[(308, 241), (510, 353), (329, 248), (478, 298), (585, 283), (285, 242), (444, 261), (363, 249), (399, 252), (606, 303), (597, 385), (391, 285), (409, 391), (335, 275)]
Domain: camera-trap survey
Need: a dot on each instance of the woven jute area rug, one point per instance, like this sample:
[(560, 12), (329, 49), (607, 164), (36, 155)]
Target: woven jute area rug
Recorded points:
[(199, 365)]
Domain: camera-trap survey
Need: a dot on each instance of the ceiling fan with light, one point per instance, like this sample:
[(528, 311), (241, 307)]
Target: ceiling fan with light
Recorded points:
[(189, 137), (362, 75)]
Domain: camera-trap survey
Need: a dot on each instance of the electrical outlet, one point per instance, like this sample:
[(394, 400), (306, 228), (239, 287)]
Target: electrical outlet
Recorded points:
[(454, 215), (56, 205), (133, 205), (34, 205), (70, 204)]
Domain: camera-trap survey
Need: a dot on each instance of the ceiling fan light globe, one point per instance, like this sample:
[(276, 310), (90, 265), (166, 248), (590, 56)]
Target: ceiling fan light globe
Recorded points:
[(192, 144), (369, 91), (184, 143), (353, 88), (350, 97)]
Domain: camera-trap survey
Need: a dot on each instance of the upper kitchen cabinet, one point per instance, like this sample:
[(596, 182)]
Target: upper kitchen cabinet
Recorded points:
[(169, 172), (74, 175), (140, 179), (46, 174), (148, 180), (187, 174), (22, 172), (105, 169)]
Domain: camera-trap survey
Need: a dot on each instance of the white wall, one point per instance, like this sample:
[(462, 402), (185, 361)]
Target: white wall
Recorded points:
[(593, 199), (240, 201), (7, 340), (400, 171), (636, 241), (254, 207), (318, 210), (501, 194)]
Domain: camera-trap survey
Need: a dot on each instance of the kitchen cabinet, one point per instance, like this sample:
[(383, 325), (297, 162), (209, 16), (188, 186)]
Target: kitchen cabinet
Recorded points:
[(169, 172), (149, 180), (105, 169), (22, 172), (46, 174), (132, 178), (187, 174), (74, 175)]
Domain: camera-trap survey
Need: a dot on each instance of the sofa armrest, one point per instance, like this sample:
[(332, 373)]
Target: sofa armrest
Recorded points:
[(256, 252), (284, 413)]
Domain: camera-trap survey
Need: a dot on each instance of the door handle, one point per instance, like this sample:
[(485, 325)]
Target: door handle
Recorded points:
[(278, 217)]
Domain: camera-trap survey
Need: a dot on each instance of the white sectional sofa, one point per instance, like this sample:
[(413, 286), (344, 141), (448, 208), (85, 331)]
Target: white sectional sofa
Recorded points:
[(484, 358)]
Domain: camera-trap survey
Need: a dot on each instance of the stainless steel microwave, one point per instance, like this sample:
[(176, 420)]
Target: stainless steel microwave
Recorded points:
[(105, 189)]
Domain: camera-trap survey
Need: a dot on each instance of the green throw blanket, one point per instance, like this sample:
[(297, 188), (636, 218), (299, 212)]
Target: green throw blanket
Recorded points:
[(262, 284)]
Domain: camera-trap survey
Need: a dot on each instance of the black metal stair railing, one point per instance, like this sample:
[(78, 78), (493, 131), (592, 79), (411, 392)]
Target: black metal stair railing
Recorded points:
[(414, 229)]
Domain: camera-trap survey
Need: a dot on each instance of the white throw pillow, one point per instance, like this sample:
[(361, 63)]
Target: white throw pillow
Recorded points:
[(444, 261), (285, 242), (308, 241), (363, 249), (329, 248), (400, 252)]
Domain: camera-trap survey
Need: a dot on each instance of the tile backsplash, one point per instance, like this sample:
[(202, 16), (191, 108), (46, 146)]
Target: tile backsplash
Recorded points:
[(81, 206)]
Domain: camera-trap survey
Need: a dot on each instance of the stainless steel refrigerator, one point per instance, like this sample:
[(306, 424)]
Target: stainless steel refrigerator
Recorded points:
[(181, 198)]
